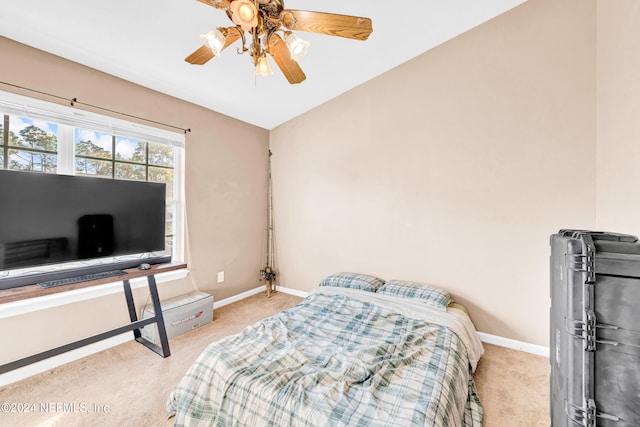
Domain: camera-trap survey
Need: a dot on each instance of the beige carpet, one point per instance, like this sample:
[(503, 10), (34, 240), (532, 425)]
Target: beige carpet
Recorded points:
[(128, 385)]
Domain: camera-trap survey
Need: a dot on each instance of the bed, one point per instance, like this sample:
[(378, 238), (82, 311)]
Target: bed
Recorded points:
[(346, 355)]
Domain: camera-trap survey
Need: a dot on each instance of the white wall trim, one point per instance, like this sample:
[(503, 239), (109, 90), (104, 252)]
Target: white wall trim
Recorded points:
[(255, 291), (514, 344), (236, 298), (290, 291)]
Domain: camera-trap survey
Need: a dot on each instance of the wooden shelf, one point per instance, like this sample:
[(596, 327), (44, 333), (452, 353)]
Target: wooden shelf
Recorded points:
[(33, 291)]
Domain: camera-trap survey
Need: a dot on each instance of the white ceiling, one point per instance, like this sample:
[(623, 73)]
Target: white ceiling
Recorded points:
[(146, 41)]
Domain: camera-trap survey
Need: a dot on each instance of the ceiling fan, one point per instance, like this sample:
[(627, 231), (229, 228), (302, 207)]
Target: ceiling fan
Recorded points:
[(262, 20)]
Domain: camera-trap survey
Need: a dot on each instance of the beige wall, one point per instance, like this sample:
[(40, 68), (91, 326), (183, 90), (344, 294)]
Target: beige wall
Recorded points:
[(452, 169), (618, 166), (225, 195)]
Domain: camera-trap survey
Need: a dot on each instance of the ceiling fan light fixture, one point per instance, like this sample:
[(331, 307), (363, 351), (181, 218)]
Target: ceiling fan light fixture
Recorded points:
[(297, 47), (262, 66), (244, 13), (214, 40), (269, 29)]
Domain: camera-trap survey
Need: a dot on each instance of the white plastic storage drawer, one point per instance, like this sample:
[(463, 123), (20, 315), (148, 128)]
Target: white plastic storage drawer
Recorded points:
[(181, 314)]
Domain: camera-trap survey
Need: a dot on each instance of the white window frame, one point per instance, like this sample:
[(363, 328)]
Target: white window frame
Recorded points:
[(68, 118)]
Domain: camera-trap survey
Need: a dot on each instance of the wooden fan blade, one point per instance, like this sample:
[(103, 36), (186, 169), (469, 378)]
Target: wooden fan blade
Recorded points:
[(218, 4), (352, 27), (200, 56), (280, 53), (203, 54)]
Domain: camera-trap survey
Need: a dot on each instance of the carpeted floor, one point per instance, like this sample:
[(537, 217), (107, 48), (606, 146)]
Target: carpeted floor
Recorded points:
[(128, 385)]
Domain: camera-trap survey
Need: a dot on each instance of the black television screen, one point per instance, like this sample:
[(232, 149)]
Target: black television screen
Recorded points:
[(54, 226)]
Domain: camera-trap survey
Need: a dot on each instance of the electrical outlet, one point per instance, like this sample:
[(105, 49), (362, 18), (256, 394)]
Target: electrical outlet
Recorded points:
[(220, 276)]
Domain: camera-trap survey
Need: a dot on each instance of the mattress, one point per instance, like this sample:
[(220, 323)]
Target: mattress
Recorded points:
[(341, 357)]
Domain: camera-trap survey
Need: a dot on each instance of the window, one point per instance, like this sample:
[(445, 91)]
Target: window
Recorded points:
[(50, 138), (93, 153), (29, 144)]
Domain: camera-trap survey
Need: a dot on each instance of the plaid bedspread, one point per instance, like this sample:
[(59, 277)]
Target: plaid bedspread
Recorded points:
[(332, 360)]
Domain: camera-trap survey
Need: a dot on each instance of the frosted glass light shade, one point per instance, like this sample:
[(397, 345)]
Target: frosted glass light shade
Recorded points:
[(244, 13), (262, 66), (214, 40), (297, 46)]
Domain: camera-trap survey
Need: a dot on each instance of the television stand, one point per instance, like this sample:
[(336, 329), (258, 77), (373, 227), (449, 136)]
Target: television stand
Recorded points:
[(32, 291)]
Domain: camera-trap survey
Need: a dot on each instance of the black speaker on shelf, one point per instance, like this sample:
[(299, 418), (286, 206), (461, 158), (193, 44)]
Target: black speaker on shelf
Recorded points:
[(95, 236)]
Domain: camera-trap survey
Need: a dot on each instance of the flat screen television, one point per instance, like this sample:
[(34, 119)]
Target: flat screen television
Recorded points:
[(55, 226)]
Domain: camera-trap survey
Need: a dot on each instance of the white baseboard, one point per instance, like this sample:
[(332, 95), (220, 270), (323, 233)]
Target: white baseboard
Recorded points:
[(290, 291), (514, 344), (54, 362), (255, 291), (235, 298)]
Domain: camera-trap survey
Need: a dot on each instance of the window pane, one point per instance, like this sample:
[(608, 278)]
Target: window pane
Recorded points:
[(93, 144), (94, 167), (32, 161), (168, 245), (160, 154), (162, 175), (36, 134), (169, 221), (129, 171), (1, 158), (131, 150), (169, 232)]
